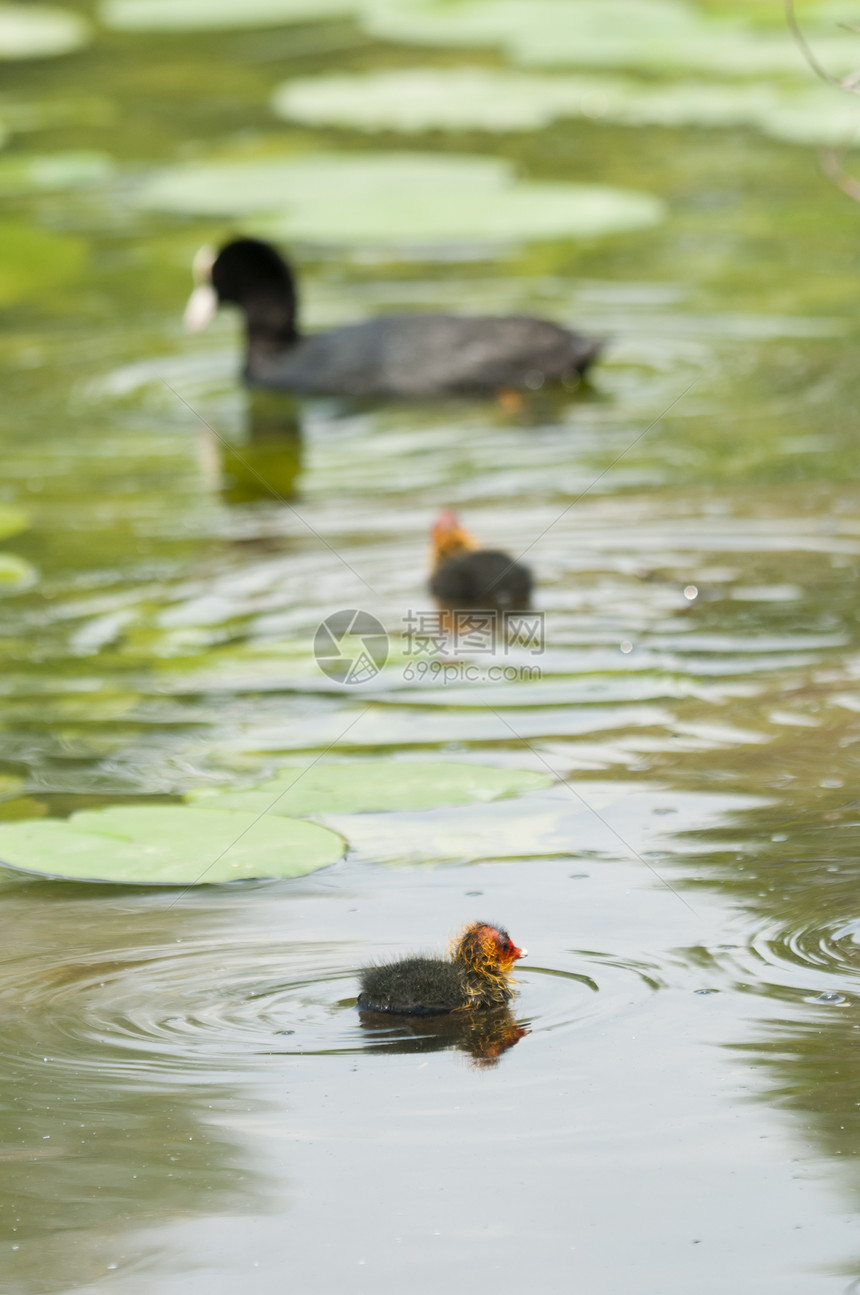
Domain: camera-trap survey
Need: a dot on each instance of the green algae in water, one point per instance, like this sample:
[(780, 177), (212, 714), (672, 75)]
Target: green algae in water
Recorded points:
[(33, 261), (39, 31), (12, 521), (168, 845), (361, 786), (398, 197)]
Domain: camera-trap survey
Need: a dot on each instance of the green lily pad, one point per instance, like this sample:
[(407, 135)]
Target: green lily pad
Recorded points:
[(12, 521), (33, 172), (39, 31), (419, 99), (651, 35), (194, 15), (33, 261), (399, 197), (16, 573), (168, 845), (357, 787), (497, 100), (493, 99)]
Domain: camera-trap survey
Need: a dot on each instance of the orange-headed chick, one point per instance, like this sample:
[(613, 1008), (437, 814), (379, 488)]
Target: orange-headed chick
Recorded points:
[(477, 975), (465, 577)]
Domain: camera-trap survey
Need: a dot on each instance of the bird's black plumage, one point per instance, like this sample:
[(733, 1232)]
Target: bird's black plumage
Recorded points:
[(403, 355), (412, 987), (483, 579)]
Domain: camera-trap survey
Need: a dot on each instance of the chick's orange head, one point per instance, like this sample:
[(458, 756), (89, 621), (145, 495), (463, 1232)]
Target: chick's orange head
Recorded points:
[(450, 538), (487, 948)]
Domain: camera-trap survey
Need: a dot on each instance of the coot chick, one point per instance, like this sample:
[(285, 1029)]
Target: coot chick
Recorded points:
[(478, 974), (407, 356), (465, 577)]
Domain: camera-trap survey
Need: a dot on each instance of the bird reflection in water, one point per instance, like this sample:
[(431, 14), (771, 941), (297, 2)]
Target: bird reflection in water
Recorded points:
[(483, 1035), (266, 461)]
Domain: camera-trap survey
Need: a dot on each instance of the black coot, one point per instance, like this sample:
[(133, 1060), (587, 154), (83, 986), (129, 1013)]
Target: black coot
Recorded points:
[(407, 356)]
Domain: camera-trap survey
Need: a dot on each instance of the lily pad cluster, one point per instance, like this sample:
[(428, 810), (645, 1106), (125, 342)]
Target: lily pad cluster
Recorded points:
[(662, 36), (234, 835), (493, 99), (397, 197)]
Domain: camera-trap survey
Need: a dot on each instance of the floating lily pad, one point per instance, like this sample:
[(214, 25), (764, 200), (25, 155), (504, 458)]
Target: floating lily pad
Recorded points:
[(32, 261), (429, 98), (12, 521), (823, 115), (39, 31), (496, 100), (193, 15), (652, 35), (401, 197), (168, 845), (15, 573), (360, 786), (31, 172)]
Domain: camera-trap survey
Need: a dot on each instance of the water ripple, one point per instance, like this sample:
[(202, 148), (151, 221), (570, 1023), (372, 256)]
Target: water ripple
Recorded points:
[(174, 1012)]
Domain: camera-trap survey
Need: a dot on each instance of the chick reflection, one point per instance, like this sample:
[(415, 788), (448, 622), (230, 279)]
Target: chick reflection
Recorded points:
[(483, 1035), (267, 461)]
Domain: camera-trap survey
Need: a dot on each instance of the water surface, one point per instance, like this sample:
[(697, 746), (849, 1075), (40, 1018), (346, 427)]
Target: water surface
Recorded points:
[(191, 1101)]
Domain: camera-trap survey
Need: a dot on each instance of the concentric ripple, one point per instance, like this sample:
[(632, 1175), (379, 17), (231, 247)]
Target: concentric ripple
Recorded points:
[(816, 963), (174, 1011)]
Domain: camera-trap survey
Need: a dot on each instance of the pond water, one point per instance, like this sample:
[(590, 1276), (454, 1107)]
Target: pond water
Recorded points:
[(190, 1101)]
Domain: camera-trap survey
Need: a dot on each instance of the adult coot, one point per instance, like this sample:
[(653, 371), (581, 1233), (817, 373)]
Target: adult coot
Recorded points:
[(478, 974), (466, 577), (403, 355)]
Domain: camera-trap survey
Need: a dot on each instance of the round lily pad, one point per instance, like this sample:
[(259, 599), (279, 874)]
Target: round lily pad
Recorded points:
[(194, 15), (400, 197), (12, 520), (167, 845), (494, 99), (419, 99), (651, 35), (32, 172), (39, 31), (33, 261), (352, 788), (15, 573)]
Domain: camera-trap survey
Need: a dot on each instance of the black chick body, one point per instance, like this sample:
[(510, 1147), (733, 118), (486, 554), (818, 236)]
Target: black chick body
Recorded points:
[(485, 579), (407, 356), (412, 987), (476, 976)]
